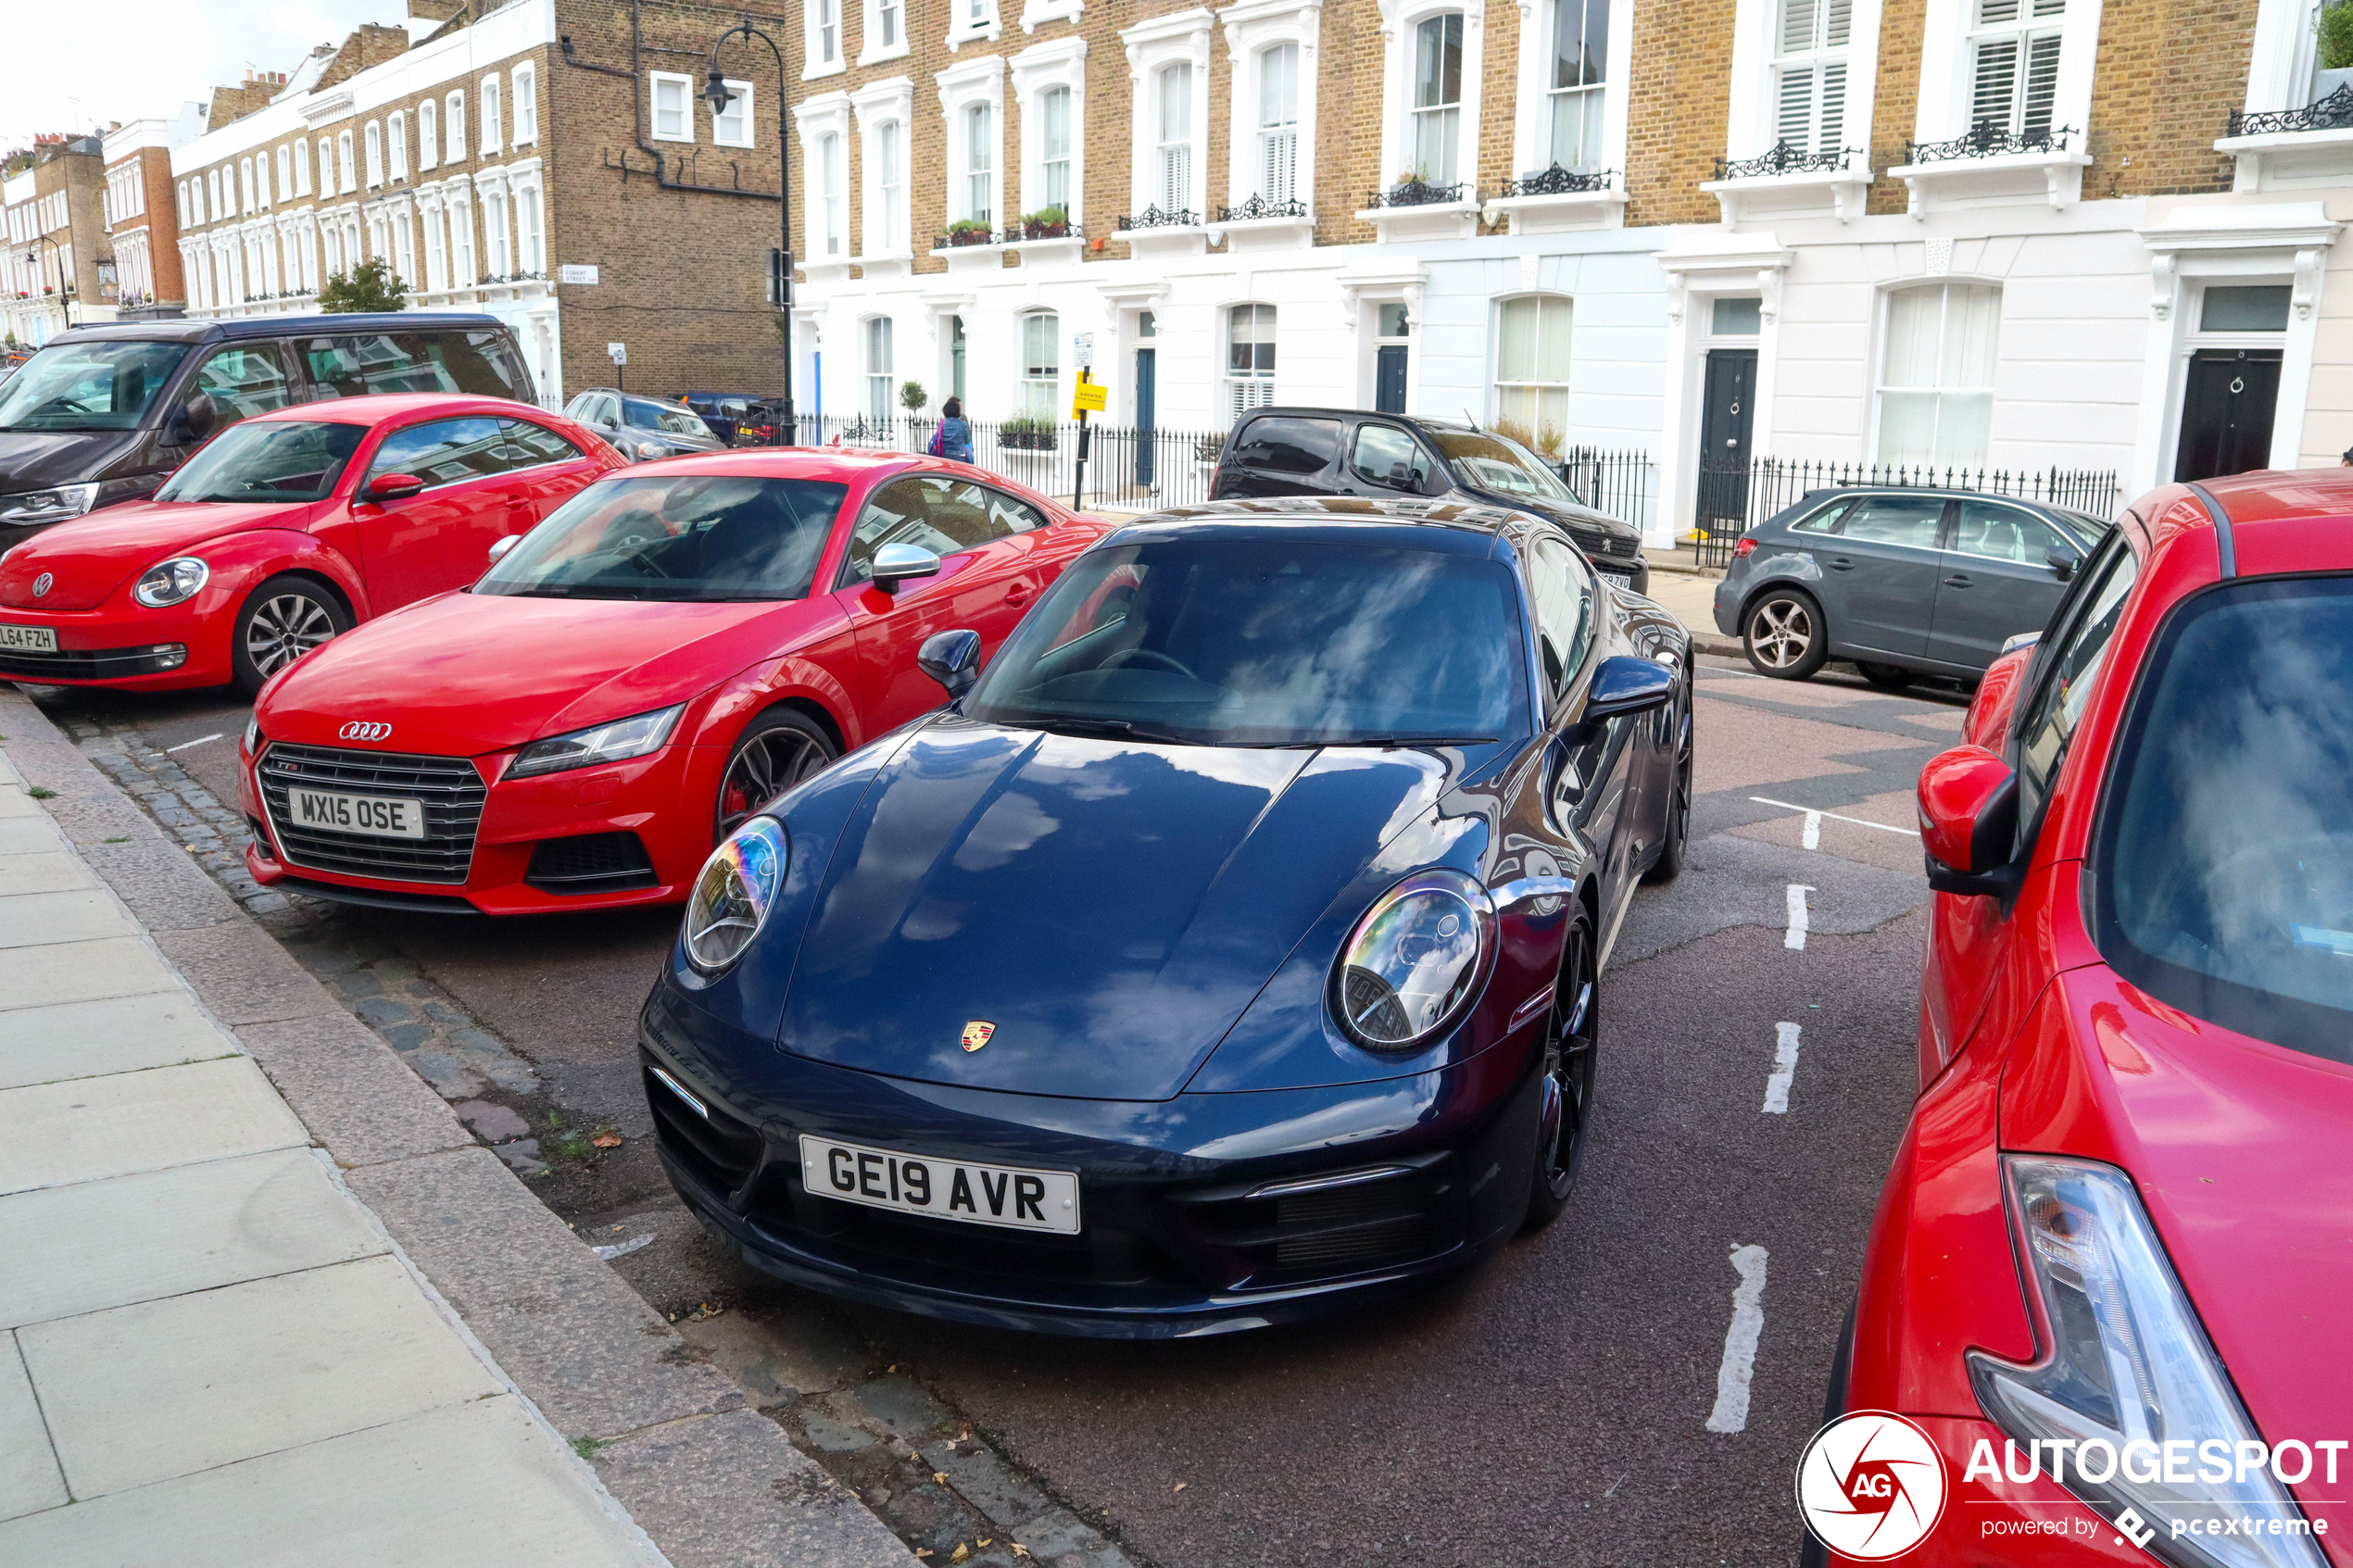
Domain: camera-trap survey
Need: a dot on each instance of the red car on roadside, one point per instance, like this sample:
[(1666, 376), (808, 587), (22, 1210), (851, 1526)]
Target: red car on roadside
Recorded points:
[(675, 645), (285, 530), (2111, 1272)]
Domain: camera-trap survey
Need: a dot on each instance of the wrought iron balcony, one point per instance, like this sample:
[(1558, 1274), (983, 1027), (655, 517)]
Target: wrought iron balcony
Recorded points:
[(1154, 217), (957, 239), (1259, 206), (2332, 113), (1559, 181), (1986, 139), (1071, 229), (1416, 192), (1785, 160)]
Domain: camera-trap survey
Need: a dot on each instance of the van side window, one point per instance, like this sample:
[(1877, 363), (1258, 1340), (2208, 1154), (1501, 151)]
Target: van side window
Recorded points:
[(472, 362), (1289, 446), (244, 381), (1382, 450)]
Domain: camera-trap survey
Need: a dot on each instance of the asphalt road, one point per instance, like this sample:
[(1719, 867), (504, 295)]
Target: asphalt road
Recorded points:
[(1574, 1403)]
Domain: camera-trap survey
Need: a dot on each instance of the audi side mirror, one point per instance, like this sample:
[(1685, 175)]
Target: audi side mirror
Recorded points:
[(1627, 685), (393, 487), (950, 657), (498, 547), (1969, 818), (894, 564), (2062, 561)]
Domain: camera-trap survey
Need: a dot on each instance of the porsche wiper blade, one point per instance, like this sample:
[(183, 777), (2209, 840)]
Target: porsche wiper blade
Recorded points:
[(1123, 728), (1390, 742)]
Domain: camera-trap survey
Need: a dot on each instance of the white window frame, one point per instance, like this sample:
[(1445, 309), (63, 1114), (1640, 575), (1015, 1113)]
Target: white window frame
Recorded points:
[(436, 247), (1251, 29), (827, 114), (376, 153), (522, 107), (454, 125), (1945, 59), (462, 236), (962, 86), (1036, 13), (397, 143), (183, 204), (885, 215), (1817, 59), (656, 82), (1402, 21), (873, 48), (1179, 38), (829, 170), (531, 222), (285, 172), (497, 227), (881, 402), (974, 22), (349, 164), (1498, 387), (1882, 313), (740, 111), (244, 188), (1040, 396), (1037, 71), (262, 182), (428, 135), (492, 126), (1253, 388), (819, 57), (302, 165)]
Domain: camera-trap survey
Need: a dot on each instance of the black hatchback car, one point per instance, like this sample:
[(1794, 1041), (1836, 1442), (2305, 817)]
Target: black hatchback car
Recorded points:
[(1905, 582), (1383, 457)]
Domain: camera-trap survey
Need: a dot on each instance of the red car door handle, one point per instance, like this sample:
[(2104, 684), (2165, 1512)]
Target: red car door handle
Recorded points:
[(1019, 594)]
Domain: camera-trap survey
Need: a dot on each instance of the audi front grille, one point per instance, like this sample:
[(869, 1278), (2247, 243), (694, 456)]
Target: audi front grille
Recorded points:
[(450, 787)]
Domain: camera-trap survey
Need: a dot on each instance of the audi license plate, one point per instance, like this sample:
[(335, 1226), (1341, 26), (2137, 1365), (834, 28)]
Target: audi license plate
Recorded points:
[(370, 814), (946, 1189), (29, 639)]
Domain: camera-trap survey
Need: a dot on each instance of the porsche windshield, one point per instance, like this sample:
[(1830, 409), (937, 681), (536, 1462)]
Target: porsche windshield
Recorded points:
[(267, 461), (689, 537), (1228, 642), (88, 386)]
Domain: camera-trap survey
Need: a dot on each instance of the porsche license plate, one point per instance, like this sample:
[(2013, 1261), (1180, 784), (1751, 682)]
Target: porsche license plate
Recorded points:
[(370, 814), (29, 639), (946, 1189)]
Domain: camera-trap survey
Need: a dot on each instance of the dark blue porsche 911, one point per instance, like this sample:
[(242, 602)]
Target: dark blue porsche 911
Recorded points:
[(1226, 951)]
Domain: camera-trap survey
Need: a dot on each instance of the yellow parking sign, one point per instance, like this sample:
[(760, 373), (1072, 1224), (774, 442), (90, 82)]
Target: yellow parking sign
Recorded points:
[(1089, 396)]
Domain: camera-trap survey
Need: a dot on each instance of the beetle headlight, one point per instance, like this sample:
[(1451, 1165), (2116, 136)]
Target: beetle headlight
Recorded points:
[(169, 583), (1414, 961), (734, 893)]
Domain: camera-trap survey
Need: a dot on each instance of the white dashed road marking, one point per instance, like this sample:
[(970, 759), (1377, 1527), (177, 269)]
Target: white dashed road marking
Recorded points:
[(1784, 1069), (187, 744), (1739, 1366), (1813, 822), (1797, 917)]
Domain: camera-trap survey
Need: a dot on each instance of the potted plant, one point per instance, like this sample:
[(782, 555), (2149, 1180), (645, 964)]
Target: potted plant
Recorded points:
[(1027, 434), (2335, 28), (968, 231), (1046, 223)]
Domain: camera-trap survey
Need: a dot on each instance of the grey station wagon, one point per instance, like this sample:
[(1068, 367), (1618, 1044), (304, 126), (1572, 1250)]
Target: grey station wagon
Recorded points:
[(1904, 583)]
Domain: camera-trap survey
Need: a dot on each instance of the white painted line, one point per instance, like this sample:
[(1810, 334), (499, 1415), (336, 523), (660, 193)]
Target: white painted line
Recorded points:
[(1731, 1413), (1785, 1071), (1909, 832), (1795, 940), (187, 744), (1813, 838)]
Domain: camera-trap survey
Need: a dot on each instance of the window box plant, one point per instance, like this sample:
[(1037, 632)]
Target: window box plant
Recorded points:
[(968, 231), (1046, 223), (1028, 434)]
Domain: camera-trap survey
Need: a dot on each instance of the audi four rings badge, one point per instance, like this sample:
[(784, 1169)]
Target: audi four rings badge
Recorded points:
[(365, 730)]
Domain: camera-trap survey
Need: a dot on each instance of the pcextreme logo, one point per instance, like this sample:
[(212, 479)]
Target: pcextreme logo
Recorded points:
[(1871, 1486)]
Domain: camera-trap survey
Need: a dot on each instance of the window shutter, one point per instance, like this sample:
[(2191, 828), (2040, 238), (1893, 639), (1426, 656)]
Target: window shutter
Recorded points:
[(1838, 17), (1833, 127), (2042, 81), (1796, 120), (1995, 78), (1177, 176), (1797, 26)]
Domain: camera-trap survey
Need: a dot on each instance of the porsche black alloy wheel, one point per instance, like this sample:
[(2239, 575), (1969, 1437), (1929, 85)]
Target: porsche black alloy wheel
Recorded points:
[(1566, 1119), (1783, 634), (282, 620), (776, 751), (1677, 830)]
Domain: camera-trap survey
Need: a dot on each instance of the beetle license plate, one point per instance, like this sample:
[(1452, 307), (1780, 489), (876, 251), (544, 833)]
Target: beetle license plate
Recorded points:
[(371, 814), (29, 639), (946, 1189)]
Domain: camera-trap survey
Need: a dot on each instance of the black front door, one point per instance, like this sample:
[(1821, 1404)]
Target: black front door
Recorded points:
[(1725, 410), (1388, 378), (1147, 371), (2226, 412)]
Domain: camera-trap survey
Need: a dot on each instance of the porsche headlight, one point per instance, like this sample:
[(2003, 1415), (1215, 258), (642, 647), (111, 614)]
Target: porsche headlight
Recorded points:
[(2132, 1408), (734, 893), (616, 742), (1414, 961), (172, 582)]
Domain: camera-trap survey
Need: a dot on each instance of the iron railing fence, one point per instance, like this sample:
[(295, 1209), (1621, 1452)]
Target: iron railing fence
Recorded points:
[(1735, 498), (1619, 485), (1129, 469)]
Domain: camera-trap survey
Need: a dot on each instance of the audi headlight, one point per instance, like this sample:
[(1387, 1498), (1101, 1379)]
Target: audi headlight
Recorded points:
[(172, 582), (28, 507), (734, 893), (616, 742), (652, 449), (252, 737), (2131, 1406), (1414, 961)]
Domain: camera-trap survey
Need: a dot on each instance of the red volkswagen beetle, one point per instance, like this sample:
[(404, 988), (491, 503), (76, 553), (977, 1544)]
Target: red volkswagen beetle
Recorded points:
[(2111, 1274), (676, 645), (287, 530)]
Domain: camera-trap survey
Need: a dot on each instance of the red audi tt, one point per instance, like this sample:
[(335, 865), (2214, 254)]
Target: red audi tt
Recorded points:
[(675, 645), (287, 530), (2111, 1274)]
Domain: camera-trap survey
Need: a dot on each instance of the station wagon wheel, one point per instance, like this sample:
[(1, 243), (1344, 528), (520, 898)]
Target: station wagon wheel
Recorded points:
[(776, 751), (1783, 634), (1566, 1110), (280, 621)]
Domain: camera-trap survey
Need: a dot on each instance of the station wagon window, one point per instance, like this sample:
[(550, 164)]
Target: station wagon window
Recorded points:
[(1381, 449), (1825, 519), (1894, 519), (444, 451), (244, 381), (2065, 671), (1289, 446), (1998, 532)]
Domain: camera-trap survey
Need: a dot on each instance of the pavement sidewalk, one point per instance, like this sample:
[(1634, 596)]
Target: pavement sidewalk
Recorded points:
[(264, 1301)]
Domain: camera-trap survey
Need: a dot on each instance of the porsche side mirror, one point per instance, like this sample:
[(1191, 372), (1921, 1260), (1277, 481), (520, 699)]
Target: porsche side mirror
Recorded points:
[(195, 420), (1627, 685), (498, 547), (2061, 561), (1969, 818), (393, 487), (950, 657), (894, 564)]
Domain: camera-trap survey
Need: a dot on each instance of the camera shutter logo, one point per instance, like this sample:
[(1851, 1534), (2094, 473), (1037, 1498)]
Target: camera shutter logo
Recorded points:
[(1871, 1486), (365, 730), (42, 583)]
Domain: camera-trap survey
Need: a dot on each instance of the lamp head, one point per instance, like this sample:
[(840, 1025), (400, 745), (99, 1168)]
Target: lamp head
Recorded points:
[(717, 93)]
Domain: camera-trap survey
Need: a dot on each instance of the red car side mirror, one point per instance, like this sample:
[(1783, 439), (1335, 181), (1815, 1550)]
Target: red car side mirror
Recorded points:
[(393, 487), (1969, 818)]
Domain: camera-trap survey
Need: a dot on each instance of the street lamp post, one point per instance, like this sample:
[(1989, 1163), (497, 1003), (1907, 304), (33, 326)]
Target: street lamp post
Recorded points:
[(716, 93), (65, 283)]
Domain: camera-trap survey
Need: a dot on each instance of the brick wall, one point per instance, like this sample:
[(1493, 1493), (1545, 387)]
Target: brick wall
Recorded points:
[(1895, 107), (2171, 72), (1680, 88), (371, 45)]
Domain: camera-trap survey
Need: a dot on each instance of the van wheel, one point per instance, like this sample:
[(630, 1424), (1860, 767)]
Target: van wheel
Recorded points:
[(1887, 677), (279, 622), (1783, 634)]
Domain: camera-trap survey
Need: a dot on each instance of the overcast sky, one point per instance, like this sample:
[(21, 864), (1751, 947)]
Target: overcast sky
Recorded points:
[(73, 67)]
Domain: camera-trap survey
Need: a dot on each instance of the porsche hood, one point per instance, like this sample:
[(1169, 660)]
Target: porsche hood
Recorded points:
[(1107, 909)]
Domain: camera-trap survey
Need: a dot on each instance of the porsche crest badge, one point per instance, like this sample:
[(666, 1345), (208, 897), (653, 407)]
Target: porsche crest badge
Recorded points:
[(976, 1034)]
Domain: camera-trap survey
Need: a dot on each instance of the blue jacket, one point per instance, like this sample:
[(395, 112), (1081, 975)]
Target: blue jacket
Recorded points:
[(956, 440)]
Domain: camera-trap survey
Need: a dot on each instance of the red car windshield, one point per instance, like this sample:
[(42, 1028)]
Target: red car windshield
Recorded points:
[(270, 460), (2224, 866), (686, 537)]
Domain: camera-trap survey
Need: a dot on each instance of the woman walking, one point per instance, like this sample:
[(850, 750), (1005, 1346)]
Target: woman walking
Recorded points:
[(955, 437)]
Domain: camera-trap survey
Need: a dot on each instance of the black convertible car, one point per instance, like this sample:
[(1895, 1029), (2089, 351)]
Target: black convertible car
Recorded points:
[(1225, 950)]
